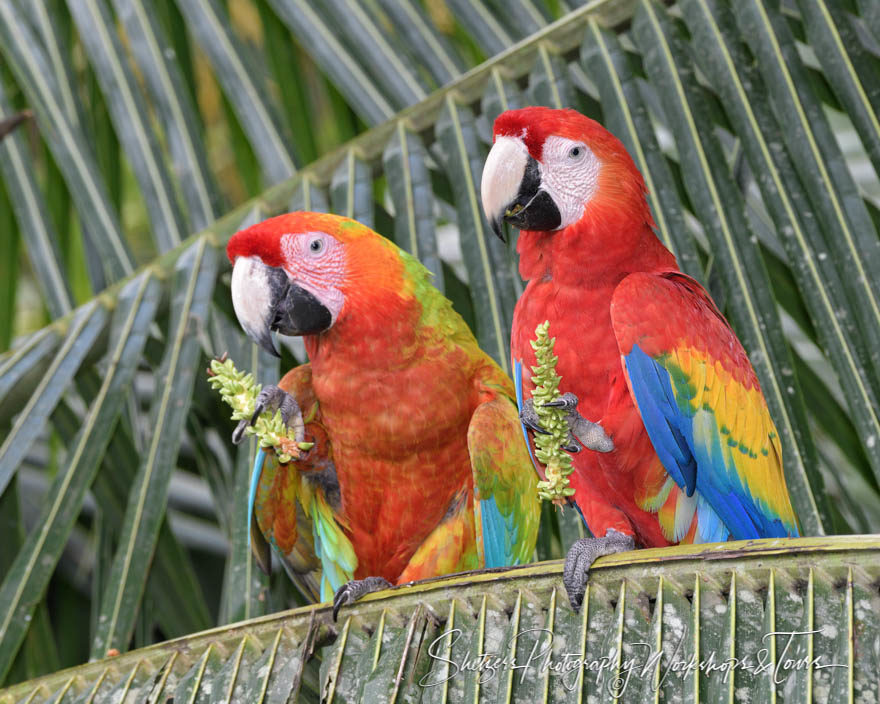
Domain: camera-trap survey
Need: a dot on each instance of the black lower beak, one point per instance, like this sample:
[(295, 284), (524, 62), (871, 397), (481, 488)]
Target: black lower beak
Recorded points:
[(497, 229), (264, 339), (533, 208), (299, 312), (293, 311)]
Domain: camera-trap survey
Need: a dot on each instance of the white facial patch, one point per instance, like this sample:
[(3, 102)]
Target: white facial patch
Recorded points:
[(502, 175), (315, 261), (570, 175)]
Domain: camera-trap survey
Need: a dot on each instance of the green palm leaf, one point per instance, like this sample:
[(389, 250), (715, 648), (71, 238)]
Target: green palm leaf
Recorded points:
[(194, 283), (26, 580), (351, 189), (70, 146), (168, 93), (242, 73), (819, 162), (128, 111), (713, 603), (86, 325), (409, 183), (31, 212)]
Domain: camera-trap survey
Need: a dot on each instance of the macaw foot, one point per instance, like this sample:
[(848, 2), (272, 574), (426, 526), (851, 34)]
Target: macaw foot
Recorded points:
[(583, 554), (351, 591), (274, 398), (581, 433), (529, 418)]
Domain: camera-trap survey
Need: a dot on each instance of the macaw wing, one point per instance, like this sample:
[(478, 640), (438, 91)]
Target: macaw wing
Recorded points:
[(702, 407), (279, 523), (295, 506), (507, 509), (260, 547)]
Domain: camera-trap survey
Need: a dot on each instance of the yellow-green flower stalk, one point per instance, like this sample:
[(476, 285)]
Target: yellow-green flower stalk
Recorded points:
[(240, 391), (548, 448)]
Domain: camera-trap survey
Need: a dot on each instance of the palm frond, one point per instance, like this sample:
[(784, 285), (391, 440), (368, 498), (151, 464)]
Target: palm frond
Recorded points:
[(748, 611)]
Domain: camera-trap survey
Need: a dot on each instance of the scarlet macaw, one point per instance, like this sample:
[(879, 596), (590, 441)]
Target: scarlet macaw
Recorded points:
[(642, 349)]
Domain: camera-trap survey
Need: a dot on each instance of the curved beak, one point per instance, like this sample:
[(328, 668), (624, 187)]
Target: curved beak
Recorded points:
[(265, 299), (511, 189)]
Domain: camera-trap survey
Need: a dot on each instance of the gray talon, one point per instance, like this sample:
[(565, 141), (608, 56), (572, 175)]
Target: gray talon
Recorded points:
[(238, 433), (592, 435), (273, 398), (582, 433), (530, 419), (568, 401), (583, 554), (351, 591)]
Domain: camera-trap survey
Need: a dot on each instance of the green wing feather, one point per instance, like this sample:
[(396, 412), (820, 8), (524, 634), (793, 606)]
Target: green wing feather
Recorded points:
[(296, 505), (507, 507)]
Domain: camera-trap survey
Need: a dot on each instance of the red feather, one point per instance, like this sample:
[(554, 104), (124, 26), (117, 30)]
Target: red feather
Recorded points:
[(397, 379), (572, 276)]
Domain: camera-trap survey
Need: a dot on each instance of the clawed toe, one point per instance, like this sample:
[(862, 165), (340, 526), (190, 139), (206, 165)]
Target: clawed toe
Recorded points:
[(568, 401), (351, 591), (535, 428), (582, 433), (273, 398), (238, 433), (592, 435), (529, 418), (581, 557)]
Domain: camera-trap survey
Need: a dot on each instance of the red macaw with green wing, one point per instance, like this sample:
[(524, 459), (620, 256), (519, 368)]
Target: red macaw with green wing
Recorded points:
[(418, 467)]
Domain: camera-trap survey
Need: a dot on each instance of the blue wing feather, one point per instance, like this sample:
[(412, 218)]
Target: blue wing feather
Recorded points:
[(499, 535), (255, 481), (653, 391), (685, 441)]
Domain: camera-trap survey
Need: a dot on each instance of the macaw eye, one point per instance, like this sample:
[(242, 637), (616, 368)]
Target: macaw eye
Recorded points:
[(316, 246), (575, 152)]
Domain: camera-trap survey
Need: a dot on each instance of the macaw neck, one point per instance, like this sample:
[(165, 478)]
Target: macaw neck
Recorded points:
[(592, 254), (378, 334)]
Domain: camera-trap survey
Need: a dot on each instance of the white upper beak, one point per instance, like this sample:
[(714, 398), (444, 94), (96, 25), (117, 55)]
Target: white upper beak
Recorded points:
[(502, 175), (252, 299)]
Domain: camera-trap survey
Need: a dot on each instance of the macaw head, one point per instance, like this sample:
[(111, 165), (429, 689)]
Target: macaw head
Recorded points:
[(549, 169), (299, 273)]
